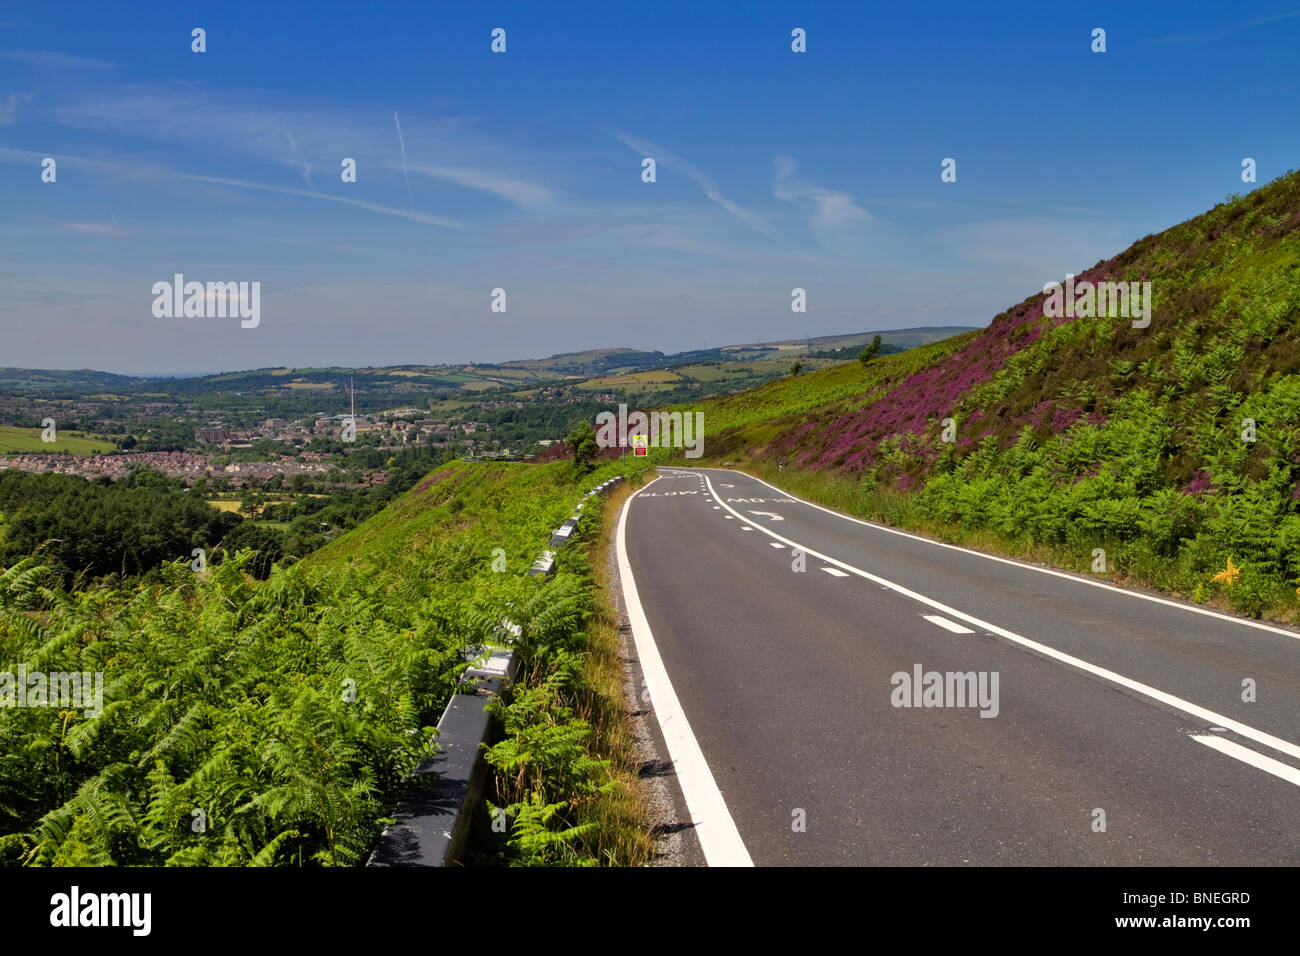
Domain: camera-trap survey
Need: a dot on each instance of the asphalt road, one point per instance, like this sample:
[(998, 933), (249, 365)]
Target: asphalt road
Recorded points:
[(1114, 729)]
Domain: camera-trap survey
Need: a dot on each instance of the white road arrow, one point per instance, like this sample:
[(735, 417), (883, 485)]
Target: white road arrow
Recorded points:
[(769, 514)]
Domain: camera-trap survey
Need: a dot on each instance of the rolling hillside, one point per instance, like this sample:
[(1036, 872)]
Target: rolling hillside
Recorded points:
[(601, 366), (1174, 448), (286, 714)]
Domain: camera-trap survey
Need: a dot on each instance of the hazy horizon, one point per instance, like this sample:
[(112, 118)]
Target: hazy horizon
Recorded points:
[(519, 358)]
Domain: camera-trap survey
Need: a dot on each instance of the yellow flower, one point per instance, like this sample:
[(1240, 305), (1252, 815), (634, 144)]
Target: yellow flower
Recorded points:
[(1229, 575)]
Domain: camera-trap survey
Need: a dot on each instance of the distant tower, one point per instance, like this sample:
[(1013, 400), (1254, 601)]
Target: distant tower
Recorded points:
[(352, 393)]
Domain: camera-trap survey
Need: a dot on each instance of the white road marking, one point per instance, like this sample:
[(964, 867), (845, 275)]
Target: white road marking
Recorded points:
[(719, 838), (767, 514), (1146, 690), (1257, 625), (1276, 767), (747, 528), (730, 517), (775, 545), (946, 624), (836, 572)]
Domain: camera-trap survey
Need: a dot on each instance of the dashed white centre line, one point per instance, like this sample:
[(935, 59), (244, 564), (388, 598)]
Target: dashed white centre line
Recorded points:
[(836, 572), (776, 544), (1146, 690), (946, 624), (1276, 767)]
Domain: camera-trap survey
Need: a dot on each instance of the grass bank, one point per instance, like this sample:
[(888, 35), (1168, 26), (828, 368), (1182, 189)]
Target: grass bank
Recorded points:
[(564, 788)]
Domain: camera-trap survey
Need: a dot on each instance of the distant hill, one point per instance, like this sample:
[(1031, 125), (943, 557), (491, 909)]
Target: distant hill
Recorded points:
[(516, 374), (82, 380)]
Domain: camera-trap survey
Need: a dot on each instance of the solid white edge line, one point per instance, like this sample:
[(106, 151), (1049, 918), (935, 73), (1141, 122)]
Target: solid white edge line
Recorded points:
[(1257, 625), (946, 624), (1246, 755), (719, 838), (1146, 690)]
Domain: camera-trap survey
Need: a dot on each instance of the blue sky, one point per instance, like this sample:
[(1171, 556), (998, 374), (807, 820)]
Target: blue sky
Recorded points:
[(523, 170)]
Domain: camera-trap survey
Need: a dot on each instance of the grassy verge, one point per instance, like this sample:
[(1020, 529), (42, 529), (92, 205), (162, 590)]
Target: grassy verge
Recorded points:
[(564, 790), (622, 814)]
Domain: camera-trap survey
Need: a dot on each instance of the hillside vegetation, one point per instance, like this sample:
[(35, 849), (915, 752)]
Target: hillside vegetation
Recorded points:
[(1173, 448), (273, 722)]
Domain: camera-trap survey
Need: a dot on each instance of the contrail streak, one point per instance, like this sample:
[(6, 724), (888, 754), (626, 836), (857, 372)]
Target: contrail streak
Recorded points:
[(409, 194)]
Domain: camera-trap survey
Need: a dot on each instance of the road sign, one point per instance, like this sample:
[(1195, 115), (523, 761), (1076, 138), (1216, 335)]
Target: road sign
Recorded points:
[(640, 445)]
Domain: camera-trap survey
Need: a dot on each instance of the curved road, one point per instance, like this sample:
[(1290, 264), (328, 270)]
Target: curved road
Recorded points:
[(835, 692)]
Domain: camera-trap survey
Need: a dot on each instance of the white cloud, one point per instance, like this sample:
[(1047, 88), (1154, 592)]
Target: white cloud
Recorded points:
[(664, 158), (21, 157), (835, 218), (521, 193), (1032, 247), (54, 60), (306, 139), (9, 107), (373, 207), (99, 228), (229, 125), (1235, 28)]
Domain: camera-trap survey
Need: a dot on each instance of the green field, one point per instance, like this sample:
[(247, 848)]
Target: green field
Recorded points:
[(19, 440)]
